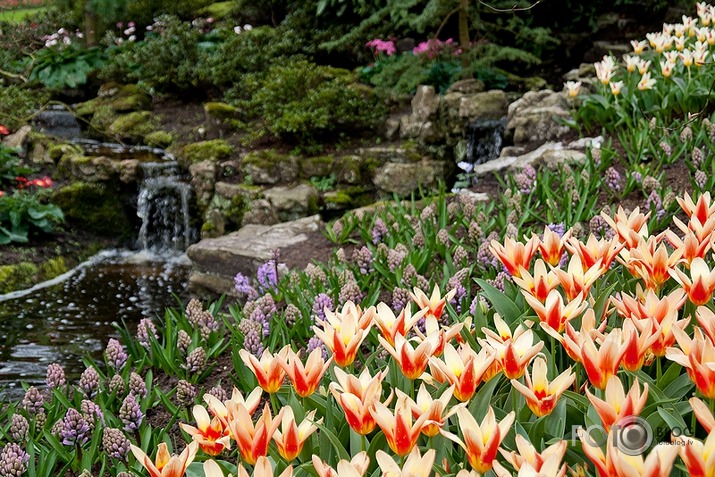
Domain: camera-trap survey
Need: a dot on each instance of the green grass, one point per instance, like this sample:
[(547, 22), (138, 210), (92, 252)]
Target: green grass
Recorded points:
[(17, 15)]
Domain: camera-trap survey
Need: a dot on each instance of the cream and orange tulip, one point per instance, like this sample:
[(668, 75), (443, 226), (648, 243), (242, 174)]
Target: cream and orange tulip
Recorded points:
[(401, 432), (571, 339), (526, 454), (623, 225), (697, 356), (305, 378), (343, 333), (290, 437), (220, 409), (706, 320), (602, 363), (267, 370), (208, 432), (356, 467), (263, 468), (554, 312), (357, 397), (252, 439), (659, 462), (617, 403), (542, 395), (434, 408), (515, 255), (464, 368), (594, 250), (514, 353), (540, 284), (700, 285), (166, 465), (391, 325), (638, 344), (412, 360), (652, 264), (416, 465), (703, 414), (691, 246), (438, 335), (647, 304), (575, 281), (551, 245), (434, 305), (699, 457), (481, 441)]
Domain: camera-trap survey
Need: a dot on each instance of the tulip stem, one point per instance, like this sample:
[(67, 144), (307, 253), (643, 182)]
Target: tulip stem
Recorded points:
[(363, 442), (274, 403), (658, 370), (711, 403)]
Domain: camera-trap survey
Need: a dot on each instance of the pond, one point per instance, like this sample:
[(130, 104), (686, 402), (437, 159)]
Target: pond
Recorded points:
[(67, 321)]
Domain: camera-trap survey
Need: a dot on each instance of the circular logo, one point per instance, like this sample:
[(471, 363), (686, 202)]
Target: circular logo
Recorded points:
[(633, 435)]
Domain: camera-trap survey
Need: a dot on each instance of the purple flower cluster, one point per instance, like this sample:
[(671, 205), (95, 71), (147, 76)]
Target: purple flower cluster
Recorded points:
[(655, 204), (137, 386), (115, 355), (145, 328), (92, 413), (525, 179), (400, 298), (700, 178), (75, 429), (55, 376), (382, 46), (243, 286), (320, 303), (600, 228), (267, 276), (379, 231), (316, 342), (363, 259), (115, 443), (32, 401), (13, 460), (130, 413), (485, 257), (613, 180), (89, 381), (350, 291)]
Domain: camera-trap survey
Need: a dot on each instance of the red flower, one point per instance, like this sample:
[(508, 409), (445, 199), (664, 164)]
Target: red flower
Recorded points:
[(4, 131)]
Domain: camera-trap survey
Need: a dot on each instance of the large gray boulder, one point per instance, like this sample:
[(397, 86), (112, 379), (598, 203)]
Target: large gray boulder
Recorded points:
[(534, 117)]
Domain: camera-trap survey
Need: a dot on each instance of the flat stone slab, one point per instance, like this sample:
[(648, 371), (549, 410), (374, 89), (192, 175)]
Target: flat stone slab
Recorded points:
[(217, 260)]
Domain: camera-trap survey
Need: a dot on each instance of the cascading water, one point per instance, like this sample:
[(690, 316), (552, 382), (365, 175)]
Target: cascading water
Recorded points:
[(484, 141), (163, 206)]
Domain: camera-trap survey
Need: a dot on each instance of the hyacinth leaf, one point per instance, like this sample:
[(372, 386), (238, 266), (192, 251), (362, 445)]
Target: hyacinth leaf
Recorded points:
[(90, 456), (62, 450), (503, 305)]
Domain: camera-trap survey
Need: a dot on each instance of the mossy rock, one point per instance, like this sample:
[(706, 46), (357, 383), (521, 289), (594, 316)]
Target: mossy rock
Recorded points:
[(17, 276), (104, 116), (270, 167), (57, 151), (347, 198), (54, 267), (93, 207), (221, 111), (134, 126), (88, 108), (134, 102), (213, 150), (319, 166), (159, 138)]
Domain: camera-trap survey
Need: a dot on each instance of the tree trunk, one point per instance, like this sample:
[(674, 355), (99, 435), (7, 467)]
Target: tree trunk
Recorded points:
[(464, 36), (90, 25)]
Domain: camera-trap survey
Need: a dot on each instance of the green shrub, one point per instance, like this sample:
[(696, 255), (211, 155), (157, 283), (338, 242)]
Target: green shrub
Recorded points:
[(58, 68), (18, 103), (22, 213), (167, 59), (249, 52), (302, 102)]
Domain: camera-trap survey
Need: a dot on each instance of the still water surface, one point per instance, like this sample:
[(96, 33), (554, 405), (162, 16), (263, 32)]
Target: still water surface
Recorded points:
[(70, 320)]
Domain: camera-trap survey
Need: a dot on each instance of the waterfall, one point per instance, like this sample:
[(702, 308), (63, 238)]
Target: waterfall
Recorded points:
[(484, 141), (57, 121), (163, 207)]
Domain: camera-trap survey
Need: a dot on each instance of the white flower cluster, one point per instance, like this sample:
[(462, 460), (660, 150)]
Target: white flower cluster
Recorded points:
[(238, 29), (61, 37)]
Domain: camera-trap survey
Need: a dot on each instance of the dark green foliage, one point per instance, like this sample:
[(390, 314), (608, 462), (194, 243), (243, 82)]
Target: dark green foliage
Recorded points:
[(249, 52), (59, 68), (167, 59), (10, 167), (22, 213), (306, 103)]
